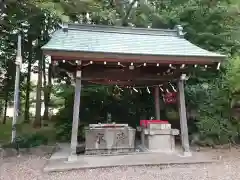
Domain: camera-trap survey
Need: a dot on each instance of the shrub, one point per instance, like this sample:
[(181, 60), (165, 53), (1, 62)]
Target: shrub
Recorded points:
[(27, 141)]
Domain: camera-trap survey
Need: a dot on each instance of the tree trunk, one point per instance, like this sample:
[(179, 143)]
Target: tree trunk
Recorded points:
[(128, 13), (47, 93), (47, 87), (37, 121), (28, 88), (6, 98), (5, 108)]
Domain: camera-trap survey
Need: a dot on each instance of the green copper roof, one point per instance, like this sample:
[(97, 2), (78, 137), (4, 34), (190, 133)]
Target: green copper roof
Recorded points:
[(108, 39)]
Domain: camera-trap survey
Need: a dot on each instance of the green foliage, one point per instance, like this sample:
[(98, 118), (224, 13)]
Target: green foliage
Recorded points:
[(28, 141), (5, 131), (213, 116), (215, 121), (233, 74), (172, 114), (209, 24), (63, 124)]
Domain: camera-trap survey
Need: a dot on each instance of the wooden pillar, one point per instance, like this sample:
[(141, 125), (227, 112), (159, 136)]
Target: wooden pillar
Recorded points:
[(75, 122), (157, 103), (183, 119)]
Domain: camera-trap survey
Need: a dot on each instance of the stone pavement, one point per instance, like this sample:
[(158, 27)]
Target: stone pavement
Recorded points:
[(58, 161)]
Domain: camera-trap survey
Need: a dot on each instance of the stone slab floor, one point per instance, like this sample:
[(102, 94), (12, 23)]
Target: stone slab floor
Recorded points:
[(58, 160), (30, 167)]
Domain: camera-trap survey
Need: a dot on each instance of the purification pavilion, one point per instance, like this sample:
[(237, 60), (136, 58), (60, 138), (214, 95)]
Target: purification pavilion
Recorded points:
[(131, 57)]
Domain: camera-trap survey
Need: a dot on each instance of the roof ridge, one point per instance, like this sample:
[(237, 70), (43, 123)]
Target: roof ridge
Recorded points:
[(120, 29)]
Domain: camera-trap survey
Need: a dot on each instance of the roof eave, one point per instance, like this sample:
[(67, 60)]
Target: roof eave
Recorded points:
[(132, 57)]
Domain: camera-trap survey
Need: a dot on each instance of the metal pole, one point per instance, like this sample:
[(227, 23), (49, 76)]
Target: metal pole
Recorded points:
[(18, 63)]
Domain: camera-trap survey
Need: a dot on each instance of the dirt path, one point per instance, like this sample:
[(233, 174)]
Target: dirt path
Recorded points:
[(30, 168)]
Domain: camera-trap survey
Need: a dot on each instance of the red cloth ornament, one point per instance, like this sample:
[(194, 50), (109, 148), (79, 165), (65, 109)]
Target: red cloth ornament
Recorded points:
[(170, 98)]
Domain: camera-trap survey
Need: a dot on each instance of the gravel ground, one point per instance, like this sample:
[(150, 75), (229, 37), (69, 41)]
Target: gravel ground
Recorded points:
[(30, 168)]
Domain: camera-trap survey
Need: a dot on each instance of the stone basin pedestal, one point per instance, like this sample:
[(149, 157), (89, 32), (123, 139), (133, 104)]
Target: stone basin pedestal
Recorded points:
[(109, 139), (158, 137)]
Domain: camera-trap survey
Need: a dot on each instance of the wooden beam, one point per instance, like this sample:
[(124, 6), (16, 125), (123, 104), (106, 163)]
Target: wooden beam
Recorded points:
[(157, 103), (75, 123), (136, 84), (127, 79), (183, 119), (110, 68), (135, 58), (126, 74)]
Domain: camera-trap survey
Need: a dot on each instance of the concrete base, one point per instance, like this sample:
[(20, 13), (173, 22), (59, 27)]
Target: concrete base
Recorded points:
[(72, 158), (164, 151), (161, 143), (159, 140), (134, 159), (187, 154)]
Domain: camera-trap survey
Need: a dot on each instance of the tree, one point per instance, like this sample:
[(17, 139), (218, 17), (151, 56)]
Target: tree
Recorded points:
[(28, 88), (27, 18)]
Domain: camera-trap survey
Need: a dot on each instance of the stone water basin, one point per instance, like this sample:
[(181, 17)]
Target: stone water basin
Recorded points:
[(109, 139)]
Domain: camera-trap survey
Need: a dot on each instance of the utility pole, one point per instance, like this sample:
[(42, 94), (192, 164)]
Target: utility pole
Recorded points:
[(18, 63)]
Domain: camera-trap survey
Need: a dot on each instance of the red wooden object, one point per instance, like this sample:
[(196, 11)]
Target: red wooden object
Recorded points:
[(144, 123)]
